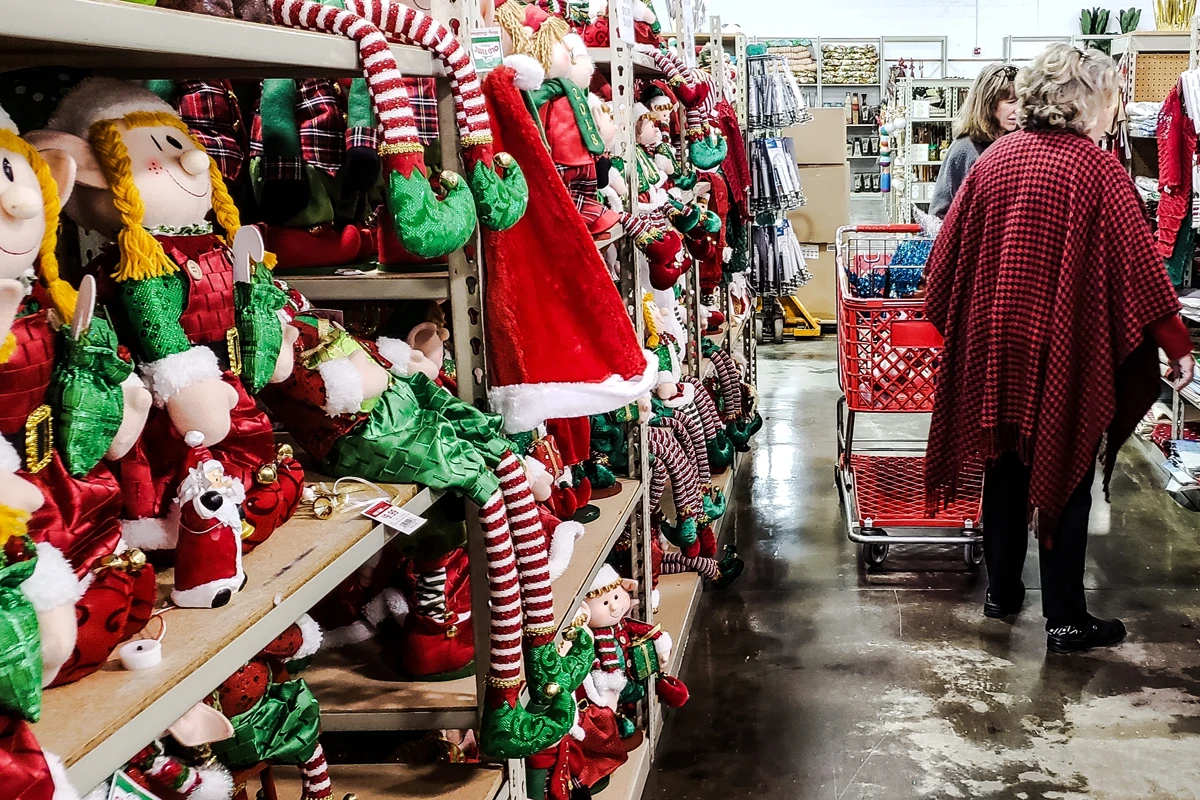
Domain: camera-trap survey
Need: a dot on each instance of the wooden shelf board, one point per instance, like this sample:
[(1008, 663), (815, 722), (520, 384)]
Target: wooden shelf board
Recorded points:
[(590, 551), (358, 691), (372, 285), (95, 725), (127, 39), (403, 781), (643, 65), (629, 781)]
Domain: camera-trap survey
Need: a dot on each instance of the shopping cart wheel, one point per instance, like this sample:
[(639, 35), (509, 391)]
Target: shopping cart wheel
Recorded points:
[(779, 330), (973, 555), (758, 329), (874, 553)]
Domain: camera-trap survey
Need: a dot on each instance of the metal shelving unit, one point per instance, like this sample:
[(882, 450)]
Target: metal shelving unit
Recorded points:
[(906, 190), (97, 724)]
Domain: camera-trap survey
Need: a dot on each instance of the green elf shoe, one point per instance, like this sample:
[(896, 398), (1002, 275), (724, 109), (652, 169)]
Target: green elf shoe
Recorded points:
[(720, 451), (549, 673), (510, 730), (715, 503)]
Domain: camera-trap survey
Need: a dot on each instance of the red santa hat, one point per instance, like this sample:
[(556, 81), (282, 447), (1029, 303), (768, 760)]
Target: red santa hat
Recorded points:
[(560, 343)]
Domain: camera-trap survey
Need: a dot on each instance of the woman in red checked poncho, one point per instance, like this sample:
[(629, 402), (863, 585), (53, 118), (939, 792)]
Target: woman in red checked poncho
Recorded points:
[(1053, 302)]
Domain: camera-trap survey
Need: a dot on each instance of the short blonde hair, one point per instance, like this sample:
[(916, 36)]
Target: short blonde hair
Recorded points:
[(1066, 88), (977, 118)]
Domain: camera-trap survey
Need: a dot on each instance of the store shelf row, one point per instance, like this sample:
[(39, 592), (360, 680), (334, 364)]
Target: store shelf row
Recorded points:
[(127, 39), (97, 724), (358, 691)]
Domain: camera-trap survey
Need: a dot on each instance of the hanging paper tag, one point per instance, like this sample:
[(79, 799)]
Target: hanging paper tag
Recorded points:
[(622, 21), (393, 517), (486, 49), (124, 788)]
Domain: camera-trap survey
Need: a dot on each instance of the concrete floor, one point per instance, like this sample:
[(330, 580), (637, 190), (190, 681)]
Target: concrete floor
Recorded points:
[(812, 679)]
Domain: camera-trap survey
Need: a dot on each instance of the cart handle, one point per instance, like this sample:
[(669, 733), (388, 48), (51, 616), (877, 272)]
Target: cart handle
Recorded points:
[(893, 228)]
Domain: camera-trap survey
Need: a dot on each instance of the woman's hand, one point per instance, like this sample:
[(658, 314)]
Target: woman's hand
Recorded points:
[(1180, 371)]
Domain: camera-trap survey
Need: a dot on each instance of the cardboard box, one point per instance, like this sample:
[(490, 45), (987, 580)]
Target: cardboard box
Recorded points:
[(822, 141), (828, 192), (819, 295)]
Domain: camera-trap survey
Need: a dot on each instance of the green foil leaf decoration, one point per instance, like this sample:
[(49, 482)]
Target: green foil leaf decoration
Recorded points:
[(500, 202), (426, 226), (281, 727), (86, 391)]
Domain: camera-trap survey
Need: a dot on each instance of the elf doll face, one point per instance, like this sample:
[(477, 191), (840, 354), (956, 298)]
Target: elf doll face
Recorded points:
[(171, 175), (22, 215), (613, 606), (648, 133), (660, 109)]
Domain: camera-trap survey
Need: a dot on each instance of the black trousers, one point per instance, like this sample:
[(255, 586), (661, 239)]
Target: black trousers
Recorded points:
[(1006, 540)]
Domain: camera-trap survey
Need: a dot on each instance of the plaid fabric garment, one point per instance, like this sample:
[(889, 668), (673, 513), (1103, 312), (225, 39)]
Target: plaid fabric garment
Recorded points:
[(422, 93), (1042, 281), (322, 123), (212, 113)]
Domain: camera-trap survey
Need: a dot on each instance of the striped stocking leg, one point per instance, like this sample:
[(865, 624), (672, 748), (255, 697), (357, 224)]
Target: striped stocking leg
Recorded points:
[(504, 664), (658, 478), (731, 384), (508, 729), (548, 671), (674, 563), (431, 594), (690, 430), (707, 409), (689, 504), (317, 785)]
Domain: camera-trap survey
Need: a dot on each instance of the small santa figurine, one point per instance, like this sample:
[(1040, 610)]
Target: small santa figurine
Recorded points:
[(208, 557)]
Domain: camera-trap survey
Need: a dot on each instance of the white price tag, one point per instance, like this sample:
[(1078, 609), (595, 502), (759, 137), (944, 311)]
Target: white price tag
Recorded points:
[(486, 49), (393, 517), (810, 251), (622, 21)]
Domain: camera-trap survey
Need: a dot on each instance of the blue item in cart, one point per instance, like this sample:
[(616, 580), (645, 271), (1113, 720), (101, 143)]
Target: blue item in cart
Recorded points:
[(908, 267), (871, 283), (904, 281), (912, 253)]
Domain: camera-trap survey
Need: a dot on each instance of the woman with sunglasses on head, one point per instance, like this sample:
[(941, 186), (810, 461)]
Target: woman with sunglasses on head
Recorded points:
[(989, 113), (1053, 302)]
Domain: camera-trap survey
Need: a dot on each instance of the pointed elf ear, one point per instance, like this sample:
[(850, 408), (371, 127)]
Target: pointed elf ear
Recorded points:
[(202, 724), (629, 585), (87, 168), (63, 169)]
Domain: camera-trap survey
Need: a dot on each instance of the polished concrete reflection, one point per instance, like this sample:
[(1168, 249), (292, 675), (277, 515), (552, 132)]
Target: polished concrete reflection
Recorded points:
[(812, 679)]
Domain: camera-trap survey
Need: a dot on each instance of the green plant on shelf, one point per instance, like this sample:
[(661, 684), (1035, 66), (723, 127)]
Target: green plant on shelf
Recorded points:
[(1095, 22)]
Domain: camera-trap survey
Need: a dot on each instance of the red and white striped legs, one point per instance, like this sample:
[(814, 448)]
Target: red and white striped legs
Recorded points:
[(731, 384), (674, 563), (707, 409), (685, 483), (317, 785), (686, 426), (388, 94), (533, 550), (504, 664)]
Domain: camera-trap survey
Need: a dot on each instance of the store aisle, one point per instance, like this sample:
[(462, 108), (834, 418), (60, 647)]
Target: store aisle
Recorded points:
[(812, 680)]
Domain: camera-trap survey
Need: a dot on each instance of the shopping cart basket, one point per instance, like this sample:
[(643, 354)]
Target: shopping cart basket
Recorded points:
[(888, 357)]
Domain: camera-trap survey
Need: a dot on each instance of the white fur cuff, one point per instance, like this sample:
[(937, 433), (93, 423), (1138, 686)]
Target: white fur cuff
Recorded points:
[(562, 547), (396, 351), (152, 533), (343, 386), (53, 582), (662, 645), (9, 460), (311, 636), (529, 72), (176, 372)]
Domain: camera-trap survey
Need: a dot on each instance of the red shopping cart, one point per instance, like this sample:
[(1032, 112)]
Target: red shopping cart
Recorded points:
[(888, 357)]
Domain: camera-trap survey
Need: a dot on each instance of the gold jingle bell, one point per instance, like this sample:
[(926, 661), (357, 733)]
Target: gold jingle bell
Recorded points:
[(323, 506), (132, 560), (452, 631), (552, 690), (247, 529), (266, 474), (450, 178), (504, 159), (284, 453)]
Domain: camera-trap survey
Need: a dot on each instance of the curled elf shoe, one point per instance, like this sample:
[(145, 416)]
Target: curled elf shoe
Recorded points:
[(500, 201), (685, 536), (709, 152), (738, 435), (549, 672), (1076, 637), (720, 452), (516, 731), (715, 502), (731, 566), (754, 424)]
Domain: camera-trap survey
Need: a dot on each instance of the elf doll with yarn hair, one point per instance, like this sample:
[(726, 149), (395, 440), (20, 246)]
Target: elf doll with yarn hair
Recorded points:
[(204, 340), (68, 401), (38, 593)]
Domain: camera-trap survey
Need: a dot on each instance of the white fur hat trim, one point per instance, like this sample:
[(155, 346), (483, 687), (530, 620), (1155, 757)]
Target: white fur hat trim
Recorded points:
[(6, 122), (98, 99), (607, 576), (53, 582), (9, 460)]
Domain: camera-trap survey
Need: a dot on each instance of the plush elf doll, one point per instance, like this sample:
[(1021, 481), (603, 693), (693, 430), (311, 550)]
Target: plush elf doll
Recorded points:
[(69, 401), (737, 398), (593, 25), (202, 341), (628, 652), (275, 717), (38, 593), (696, 90), (561, 101), (186, 775)]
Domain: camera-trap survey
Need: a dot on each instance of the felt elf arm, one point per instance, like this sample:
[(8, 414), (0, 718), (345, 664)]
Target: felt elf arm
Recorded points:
[(154, 306), (260, 327)]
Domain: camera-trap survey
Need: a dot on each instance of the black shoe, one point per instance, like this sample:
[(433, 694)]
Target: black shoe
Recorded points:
[(1072, 638), (996, 610)]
